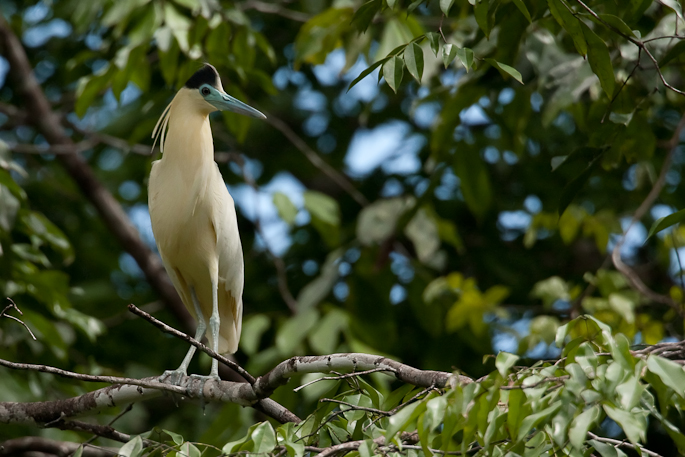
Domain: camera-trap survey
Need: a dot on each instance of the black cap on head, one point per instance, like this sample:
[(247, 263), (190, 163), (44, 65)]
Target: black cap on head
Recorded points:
[(205, 75)]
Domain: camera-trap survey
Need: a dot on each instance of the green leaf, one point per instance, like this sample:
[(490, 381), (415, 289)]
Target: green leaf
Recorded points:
[(600, 60), (413, 58), (134, 448), (253, 329), (319, 288), (393, 70), (325, 213), (466, 57), (378, 221), (511, 71), (522, 7), (534, 420), (665, 222), (434, 40), (581, 425), (671, 373), (617, 23), (504, 362), (367, 448), (634, 425), (573, 187), (176, 438), (606, 450), (188, 449), (286, 209), (295, 330), (449, 52), (475, 181), (423, 233), (570, 23), (403, 418), (445, 6), (673, 53), (482, 9), (675, 6), (264, 438), (326, 336), (364, 15), (367, 72)]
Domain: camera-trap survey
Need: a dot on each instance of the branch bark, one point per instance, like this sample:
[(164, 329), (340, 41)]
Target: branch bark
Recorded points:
[(34, 444), (127, 390)]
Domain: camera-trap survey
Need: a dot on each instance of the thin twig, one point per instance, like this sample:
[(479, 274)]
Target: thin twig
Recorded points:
[(625, 444), (189, 339), (271, 8), (281, 275), (633, 278), (380, 412), (339, 377), (635, 41), (316, 160), (91, 378), (14, 305)]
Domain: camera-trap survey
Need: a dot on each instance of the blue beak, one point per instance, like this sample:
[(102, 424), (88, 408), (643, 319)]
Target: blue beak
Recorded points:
[(224, 102)]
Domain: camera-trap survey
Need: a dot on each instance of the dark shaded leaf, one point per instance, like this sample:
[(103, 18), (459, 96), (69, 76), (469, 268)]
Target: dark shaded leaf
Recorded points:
[(364, 15), (570, 23), (600, 60)]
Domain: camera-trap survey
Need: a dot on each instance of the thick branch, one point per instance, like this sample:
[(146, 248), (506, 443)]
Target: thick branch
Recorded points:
[(39, 111), (32, 444), (351, 362)]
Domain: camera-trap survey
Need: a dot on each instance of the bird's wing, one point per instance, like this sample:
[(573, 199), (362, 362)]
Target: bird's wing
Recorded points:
[(231, 268)]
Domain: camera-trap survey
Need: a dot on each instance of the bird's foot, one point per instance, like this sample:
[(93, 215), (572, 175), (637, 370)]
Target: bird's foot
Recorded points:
[(198, 382), (172, 377)]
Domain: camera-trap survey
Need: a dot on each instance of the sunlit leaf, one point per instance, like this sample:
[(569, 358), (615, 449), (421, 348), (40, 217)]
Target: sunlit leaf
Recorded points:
[(393, 70), (665, 222), (413, 58)]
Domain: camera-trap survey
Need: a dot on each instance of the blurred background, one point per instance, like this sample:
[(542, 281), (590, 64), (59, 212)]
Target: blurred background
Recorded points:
[(434, 222)]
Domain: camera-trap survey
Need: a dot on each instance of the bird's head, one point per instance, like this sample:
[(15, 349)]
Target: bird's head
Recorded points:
[(205, 88)]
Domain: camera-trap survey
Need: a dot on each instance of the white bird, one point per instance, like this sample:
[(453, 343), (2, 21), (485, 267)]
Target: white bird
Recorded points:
[(193, 215)]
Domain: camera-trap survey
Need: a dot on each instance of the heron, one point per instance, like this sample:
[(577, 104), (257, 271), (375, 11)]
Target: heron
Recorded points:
[(193, 215)]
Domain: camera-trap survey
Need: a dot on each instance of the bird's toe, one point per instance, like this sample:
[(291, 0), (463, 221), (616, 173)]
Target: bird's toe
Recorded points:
[(172, 377)]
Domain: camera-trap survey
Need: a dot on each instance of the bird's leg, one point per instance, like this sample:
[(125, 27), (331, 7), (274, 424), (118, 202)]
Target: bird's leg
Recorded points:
[(214, 328), (174, 376)]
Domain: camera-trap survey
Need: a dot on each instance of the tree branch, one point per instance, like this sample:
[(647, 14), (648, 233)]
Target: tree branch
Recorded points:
[(31, 444), (316, 160), (38, 110), (633, 278)]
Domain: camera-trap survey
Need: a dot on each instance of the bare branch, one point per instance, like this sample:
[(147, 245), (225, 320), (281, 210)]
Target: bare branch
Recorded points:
[(190, 340), (339, 377), (31, 444), (316, 160), (3, 313), (265, 405), (633, 278), (352, 362), (625, 444), (274, 8)]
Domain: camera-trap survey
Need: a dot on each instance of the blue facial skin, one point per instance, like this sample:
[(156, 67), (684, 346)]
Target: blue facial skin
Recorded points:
[(224, 102)]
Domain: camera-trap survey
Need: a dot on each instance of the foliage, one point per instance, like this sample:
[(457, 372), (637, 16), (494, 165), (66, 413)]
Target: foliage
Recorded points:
[(598, 386), (522, 136)]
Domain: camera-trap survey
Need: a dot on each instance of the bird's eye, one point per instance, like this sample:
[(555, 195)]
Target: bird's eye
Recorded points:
[(205, 91)]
